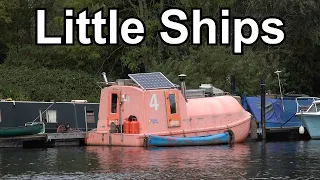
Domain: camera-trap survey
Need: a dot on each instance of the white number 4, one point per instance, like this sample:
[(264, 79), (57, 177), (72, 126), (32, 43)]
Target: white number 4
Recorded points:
[(154, 102)]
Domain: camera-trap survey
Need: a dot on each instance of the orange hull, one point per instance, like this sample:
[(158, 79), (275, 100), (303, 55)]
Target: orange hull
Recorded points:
[(94, 138)]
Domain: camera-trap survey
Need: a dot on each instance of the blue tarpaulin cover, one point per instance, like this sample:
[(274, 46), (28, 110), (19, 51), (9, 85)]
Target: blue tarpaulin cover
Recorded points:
[(275, 116)]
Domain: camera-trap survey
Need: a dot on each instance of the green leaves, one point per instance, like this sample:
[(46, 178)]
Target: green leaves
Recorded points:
[(22, 83), (69, 72), (212, 64)]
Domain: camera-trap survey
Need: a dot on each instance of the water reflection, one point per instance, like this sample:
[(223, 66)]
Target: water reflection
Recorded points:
[(33, 161), (285, 160), (273, 160), (184, 162)]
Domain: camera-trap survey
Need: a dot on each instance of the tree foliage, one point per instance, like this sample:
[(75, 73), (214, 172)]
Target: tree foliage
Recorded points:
[(31, 72)]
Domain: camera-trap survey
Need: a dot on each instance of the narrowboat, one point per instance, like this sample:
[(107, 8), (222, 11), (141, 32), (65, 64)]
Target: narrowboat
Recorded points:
[(15, 114), (149, 106)]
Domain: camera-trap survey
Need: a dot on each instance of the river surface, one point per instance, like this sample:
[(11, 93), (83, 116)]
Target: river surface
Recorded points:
[(273, 160)]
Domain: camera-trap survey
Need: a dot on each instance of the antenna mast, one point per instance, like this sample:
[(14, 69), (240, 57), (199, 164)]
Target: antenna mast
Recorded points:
[(278, 73)]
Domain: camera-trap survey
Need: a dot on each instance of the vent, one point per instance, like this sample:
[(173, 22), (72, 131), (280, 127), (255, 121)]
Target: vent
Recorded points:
[(125, 82), (79, 101), (211, 91), (195, 93)]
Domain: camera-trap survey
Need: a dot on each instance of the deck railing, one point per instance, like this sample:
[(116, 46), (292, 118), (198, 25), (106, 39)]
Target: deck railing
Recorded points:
[(304, 108)]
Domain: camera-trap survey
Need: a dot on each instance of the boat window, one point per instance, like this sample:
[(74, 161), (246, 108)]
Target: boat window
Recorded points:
[(172, 99), (51, 116), (90, 116), (313, 108), (114, 99)]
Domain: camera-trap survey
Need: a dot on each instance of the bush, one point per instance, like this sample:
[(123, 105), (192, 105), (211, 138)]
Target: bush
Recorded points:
[(41, 84)]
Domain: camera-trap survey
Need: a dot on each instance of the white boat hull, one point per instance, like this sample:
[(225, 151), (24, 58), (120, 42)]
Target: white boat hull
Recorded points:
[(312, 124)]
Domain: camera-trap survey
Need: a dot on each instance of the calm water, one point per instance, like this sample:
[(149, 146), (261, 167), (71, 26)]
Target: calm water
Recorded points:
[(274, 160)]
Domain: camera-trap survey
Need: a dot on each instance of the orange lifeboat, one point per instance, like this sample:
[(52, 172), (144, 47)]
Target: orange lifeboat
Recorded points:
[(126, 126), (134, 126)]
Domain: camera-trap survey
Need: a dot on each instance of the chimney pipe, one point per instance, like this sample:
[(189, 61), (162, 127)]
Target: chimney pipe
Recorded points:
[(104, 77), (182, 78)]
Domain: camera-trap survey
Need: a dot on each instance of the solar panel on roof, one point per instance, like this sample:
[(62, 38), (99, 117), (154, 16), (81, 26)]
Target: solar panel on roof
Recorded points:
[(155, 80)]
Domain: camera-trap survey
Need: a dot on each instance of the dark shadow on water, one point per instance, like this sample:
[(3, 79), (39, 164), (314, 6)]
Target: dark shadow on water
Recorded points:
[(288, 136), (19, 161)]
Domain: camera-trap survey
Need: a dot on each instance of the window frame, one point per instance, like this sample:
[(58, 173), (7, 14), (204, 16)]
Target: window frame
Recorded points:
[(92, 116), (114, 110), (48, 117)]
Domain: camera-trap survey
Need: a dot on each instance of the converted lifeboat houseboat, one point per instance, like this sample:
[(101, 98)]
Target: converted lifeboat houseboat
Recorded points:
[(149, 110)]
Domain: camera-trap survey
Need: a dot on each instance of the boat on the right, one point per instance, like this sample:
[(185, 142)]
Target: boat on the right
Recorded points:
[(309, 116)]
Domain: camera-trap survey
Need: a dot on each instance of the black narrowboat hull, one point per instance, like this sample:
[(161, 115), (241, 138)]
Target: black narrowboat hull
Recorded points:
[(17, 113)]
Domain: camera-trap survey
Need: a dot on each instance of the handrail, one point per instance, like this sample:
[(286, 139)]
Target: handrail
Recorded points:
[(306, 98)]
